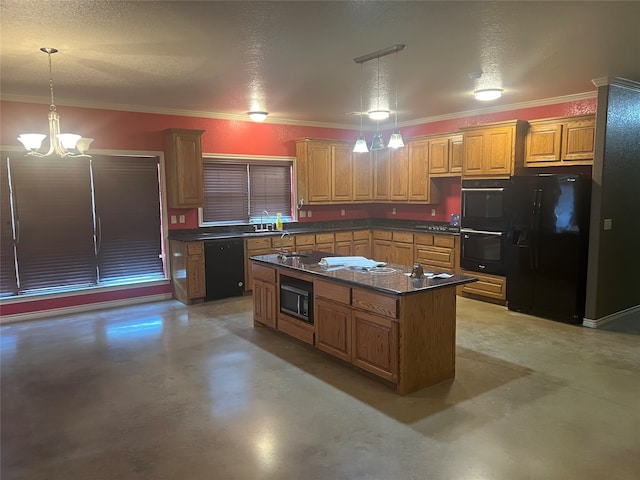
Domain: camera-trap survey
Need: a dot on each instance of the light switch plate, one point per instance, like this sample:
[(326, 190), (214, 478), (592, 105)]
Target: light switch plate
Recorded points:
[(608, 223), (173, 219)]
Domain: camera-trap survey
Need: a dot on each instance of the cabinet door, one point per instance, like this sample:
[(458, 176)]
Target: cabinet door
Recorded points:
[(362, 177), (183, 161), (543, 143), (399, 174), (578, 140), (381, 180), (343, 248), (342, 173), (361, 248), (382, 250), (402, 253), (498, 153), (196, 276), (375, 344), (418, 171), (473, 153), (333, 329), (439, 155), (264, 303), (319, 172), (455, 154)]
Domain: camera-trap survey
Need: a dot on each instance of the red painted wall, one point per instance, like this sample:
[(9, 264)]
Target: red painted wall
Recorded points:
[(117, 130)]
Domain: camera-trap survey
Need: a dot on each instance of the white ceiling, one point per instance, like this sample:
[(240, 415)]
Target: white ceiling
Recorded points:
[(295, 59)]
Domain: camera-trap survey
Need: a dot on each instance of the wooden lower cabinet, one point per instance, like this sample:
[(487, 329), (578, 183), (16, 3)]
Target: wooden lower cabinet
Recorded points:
[(402, 248), (333, 329), (489, 287), (437, 252), (375, 344), (264, 304), (187, 271)]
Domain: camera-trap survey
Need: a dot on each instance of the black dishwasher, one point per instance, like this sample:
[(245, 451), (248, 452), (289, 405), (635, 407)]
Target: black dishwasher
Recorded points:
[(224, 264)]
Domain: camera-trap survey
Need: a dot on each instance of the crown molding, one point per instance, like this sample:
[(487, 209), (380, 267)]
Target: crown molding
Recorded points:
[(281, 121), (617, 81)]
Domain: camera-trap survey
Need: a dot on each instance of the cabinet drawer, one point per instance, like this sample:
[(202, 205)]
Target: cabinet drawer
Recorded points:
[(382, 235), (284, 242), (361, 235), (305, 240), (332, 291), (261, 272), (343, 236), (423, 239), (195, 248), (404, 237), (324, 237), (437, 256), (258, 243), (444, 241), (491, 286), (375, 302)]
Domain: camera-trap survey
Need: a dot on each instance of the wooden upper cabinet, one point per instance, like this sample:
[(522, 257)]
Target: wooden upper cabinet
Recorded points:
[(183, 164), (398, 174), (313, 163), (493, 150), (418, 170), (341, 173), (560, 141), (363, 170), (445, 156), (381, 179)]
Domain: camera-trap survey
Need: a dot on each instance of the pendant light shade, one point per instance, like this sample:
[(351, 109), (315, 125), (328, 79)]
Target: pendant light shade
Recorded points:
[(361, 145), (377, 143), (396, 140)]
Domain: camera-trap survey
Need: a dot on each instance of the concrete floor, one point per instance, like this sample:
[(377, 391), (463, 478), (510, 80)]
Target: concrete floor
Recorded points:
[(165, 391)]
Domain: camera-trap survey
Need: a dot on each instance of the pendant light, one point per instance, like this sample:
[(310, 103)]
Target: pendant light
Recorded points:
[(377, 143), (396, 137), (61, 144), (361, 143)]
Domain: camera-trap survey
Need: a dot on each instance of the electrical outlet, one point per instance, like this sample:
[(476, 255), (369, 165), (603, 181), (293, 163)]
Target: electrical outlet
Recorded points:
[(608, 223), (174, 220), (433, 212), (342, 212), (303, 214), (309, 213), (181, 219), (393, 211)]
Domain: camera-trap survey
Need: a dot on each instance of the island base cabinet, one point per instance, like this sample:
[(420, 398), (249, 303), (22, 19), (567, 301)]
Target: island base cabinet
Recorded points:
[(375, 345), (333, 329), (264, 303)]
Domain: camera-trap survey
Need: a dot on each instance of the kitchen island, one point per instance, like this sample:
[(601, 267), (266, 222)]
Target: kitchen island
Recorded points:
[(379, 319)]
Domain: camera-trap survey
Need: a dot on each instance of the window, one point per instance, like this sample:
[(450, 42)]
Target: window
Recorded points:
[(76, 222), (237, 191)]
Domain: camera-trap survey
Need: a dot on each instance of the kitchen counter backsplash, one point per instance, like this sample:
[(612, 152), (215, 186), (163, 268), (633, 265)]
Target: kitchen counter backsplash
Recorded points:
[(242, 231)]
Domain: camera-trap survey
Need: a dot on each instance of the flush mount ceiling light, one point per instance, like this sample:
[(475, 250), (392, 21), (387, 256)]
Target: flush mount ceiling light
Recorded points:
[(487, 94), (378, 114), (258, 116), (61, 144)]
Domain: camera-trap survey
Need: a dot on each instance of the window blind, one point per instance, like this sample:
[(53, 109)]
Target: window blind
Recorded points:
[(54, 220), (128, 226), (8, 283), (239, 191)]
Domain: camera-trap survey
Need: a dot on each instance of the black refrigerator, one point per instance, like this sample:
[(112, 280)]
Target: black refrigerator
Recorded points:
[(547, 245)]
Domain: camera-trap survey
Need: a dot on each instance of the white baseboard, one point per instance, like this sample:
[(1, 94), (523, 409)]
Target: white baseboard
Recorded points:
[(586, 322), (19, 317)]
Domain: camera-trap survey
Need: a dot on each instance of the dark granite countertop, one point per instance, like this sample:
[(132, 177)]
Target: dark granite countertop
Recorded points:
[(393, 278), (247, 231)]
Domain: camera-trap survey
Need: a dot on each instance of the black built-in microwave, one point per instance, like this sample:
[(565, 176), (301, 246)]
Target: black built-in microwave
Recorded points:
[(296, 298)]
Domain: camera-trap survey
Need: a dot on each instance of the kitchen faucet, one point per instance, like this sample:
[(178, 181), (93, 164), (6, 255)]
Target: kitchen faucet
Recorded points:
[(282, 241)]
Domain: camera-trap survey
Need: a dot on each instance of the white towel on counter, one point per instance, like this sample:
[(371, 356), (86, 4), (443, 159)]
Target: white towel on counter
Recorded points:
[(331, 262)]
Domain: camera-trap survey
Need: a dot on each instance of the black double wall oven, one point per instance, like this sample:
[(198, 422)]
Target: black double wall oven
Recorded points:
[(484, 224)]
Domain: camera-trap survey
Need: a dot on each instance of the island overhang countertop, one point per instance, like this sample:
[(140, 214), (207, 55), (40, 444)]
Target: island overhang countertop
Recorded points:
[(390, 278)]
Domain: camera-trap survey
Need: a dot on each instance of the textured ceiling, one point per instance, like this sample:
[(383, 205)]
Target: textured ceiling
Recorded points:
[(295, 59)]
